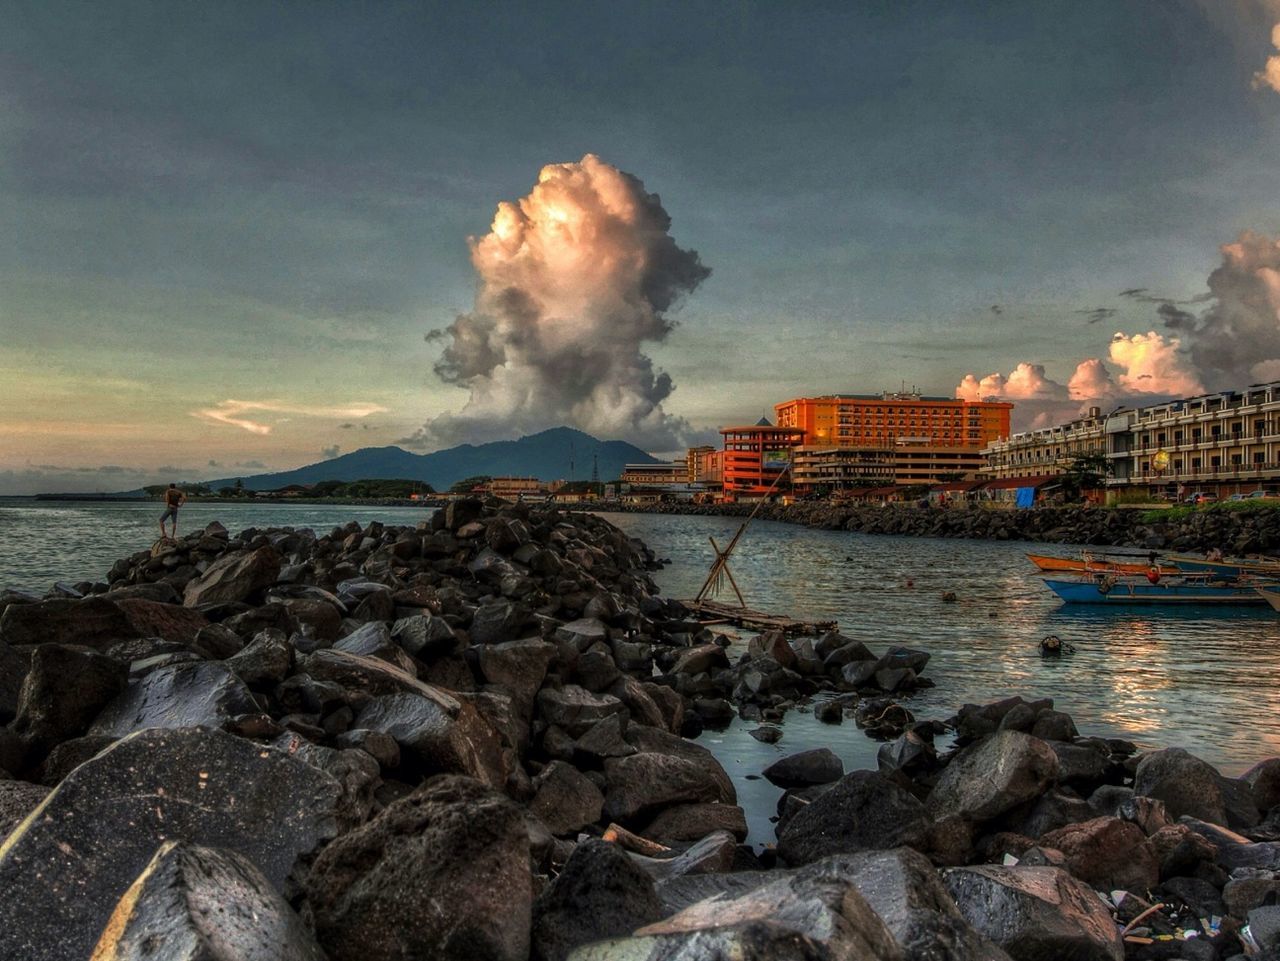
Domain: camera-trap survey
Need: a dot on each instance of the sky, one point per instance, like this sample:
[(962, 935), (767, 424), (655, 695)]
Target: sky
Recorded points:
[(249, 236)]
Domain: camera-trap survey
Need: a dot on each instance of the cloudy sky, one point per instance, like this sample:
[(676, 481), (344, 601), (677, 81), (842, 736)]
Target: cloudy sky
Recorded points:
[(230, 229)]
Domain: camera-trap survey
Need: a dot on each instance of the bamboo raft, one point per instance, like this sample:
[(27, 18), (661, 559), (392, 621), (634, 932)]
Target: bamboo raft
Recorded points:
[(713, 612)]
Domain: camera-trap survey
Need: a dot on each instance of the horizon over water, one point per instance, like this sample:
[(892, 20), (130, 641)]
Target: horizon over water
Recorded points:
[(1207, 680)]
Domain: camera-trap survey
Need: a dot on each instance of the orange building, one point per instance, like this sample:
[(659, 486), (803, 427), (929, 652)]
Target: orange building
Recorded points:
[(891, 420), (754, 457)]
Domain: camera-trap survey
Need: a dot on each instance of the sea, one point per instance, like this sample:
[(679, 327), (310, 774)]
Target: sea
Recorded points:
[(1200, 678)]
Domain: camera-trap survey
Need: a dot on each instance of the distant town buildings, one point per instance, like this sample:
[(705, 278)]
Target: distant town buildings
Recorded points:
[(1047, 450)]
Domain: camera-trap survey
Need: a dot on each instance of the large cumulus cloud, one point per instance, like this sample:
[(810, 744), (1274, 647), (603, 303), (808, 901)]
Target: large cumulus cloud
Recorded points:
[(573, 280)]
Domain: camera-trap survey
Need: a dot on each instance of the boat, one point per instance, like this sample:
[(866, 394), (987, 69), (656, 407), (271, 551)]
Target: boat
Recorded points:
[(1166, 591), (1198, 565), (1089, 563), (1270, 593)]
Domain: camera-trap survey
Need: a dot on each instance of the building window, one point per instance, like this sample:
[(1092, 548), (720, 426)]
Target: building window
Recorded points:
[(1215, 462)]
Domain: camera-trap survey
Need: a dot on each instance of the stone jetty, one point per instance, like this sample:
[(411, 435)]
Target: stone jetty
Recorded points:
[(471, 739)]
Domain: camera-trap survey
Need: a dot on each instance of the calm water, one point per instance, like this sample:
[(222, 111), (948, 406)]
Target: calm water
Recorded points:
[(1206, 680)]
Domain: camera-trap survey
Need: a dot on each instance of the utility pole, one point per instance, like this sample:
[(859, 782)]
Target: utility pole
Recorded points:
[(595, 469)]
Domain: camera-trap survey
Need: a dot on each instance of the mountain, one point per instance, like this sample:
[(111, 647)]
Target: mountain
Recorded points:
[(544, 455)]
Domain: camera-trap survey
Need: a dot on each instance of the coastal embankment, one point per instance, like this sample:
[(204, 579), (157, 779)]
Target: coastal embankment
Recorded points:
[(494, 713), (1235, 528)]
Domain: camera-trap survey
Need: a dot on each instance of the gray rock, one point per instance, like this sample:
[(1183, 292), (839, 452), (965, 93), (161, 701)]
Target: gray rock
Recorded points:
[(17, 800), (599, 894), (266, 659), (233, 577), (1107, 853), (1264, 925), (518, 667), (63, 692), (92, 622), (1035, 913), (1264, 781), (606, 739), (575, 708), (356, 772), (644, 738), (425, 635), (713, 854), (374, 640), (566, 800), (201, 904), (998, 773), (204, 693), (749, 941), (690, 822), (819, 766), (497, 621), (95, 833), (643, 783), (13, 668), (1186, 784), (440, 874), (438, 734), (862, 811)]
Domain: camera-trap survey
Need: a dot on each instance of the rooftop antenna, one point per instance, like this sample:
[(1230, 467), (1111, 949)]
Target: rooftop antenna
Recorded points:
[(595, 469), (571, 461)]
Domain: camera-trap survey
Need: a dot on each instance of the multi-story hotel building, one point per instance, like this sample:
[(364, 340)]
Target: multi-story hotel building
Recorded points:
[(1046, 451), (754, 457), (660, 474), (851, 437), (1222, 443)]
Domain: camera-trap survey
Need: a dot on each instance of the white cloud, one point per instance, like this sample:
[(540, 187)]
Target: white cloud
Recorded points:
[(233, 413)]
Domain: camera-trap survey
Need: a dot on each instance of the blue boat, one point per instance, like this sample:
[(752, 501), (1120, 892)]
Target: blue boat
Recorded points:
[(1198, 565), (1171, 590)]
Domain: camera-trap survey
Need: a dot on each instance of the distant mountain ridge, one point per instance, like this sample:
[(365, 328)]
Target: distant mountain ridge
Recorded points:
[(547, 455)]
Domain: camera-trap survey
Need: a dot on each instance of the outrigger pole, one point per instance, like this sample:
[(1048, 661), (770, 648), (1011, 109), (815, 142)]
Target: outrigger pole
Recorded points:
[(720, 566)]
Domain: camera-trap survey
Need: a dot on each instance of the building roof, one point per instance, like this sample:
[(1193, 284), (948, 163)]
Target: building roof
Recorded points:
[(1012, 483)]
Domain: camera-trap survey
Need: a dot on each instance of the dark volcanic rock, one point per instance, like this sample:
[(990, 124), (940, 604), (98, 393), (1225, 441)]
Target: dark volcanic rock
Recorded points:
[(17, 800), (440, 733), (64, 690), (691, 822), (1036, 914), (575, 708), (441, 874), (204, 903), (819, 766), (862, 811), (643, 783), (99, 828), (234, 577), (1186, 784), (599, 894), (91, 622), (267, 658), (566, 800), (185, 695), (173, 622), (13, 667), (994, 775), (1107, 853)]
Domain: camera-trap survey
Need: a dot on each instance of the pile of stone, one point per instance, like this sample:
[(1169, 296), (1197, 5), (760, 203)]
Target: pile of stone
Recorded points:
[(463, 741)]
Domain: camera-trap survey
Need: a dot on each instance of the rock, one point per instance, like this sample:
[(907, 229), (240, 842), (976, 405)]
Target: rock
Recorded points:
[(1242, 895), (366, 675), (204, 903), (1264, 925), (1264, 781), (691, 822), (96, 832), (1186, 784), (1035, 913), (233, 577), (356, 772), (268, 658), (63, 692), (69, 755), (1107, 853), (713, 854), (17, 800), (996, 774), (438, 734), (862, 811), (374, 640), (13, 668), (829, 712), (173, 622), (497, 621), (773, 644), (903, 888), (566, 800), (828, 915), (606, 739), (92, 622), (643, 783), (440, 874), (652, 739), (599, 894), (575, 708), (1200, 897), (518, 667), (819, 766), (204, 693), (751, 941), (767, 734), (1054, 726), (425, 635), (697, 660)]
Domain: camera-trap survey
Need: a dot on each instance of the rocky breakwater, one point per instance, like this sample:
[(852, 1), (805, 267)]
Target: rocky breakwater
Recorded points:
[(462, 741), (378, 742)]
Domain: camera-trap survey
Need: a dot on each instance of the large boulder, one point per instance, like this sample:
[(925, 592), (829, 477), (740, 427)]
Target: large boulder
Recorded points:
[(234, 577), (204, 693), (13, 667), (1107, 853), (1186, 784), (691, 822), (642, 784), (17, 800), (518, 667), (645, 738), (82, 848), (441, 874), (202, 904), (862, 811), (996, 774), (566, 800), (1036, 913), (599, 894), (1263, 780), (902, 887), (64, 690), (91, 622), (575, 709), (824, 913), (438, 735), (173, 622), (818, 766)]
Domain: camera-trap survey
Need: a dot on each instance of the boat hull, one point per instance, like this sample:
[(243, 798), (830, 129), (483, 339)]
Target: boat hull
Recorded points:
[(1271, 595), (1195, 565), (1075, 565), (1143, 592)]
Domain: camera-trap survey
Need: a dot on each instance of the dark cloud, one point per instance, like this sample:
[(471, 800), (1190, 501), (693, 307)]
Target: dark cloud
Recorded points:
[(1175, 318), (329, 453), (997, 309), (251, 464), (1096, 314), (347, 426)]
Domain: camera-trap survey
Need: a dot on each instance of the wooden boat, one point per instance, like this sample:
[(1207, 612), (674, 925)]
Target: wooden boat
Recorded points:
[(1167, 591), (1198, 565), (1089, 563)]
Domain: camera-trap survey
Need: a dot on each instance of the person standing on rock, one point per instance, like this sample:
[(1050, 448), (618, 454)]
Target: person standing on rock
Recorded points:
[(173, 499)]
